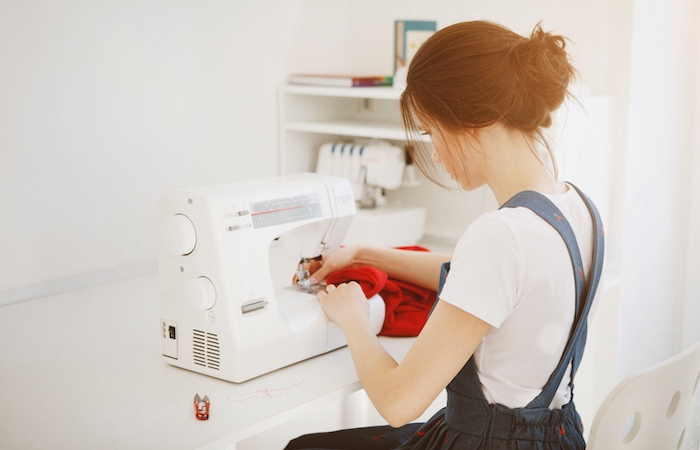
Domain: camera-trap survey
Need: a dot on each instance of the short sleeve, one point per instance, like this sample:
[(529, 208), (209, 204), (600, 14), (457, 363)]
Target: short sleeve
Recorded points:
[(486, 270)]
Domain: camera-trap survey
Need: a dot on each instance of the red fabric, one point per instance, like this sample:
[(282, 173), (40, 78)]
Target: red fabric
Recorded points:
[(407, 305)]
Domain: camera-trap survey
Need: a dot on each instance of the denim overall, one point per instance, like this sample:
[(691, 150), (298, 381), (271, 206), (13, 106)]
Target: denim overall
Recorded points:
[(469, 421)]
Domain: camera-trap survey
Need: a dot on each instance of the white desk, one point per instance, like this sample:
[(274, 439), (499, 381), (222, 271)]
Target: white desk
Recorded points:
[(83, 370)]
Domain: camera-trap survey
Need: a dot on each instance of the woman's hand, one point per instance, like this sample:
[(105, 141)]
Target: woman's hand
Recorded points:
[(345, 304), (332, 262)]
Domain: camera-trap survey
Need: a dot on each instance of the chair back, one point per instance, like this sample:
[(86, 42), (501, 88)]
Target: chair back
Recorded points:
[(650, 409)]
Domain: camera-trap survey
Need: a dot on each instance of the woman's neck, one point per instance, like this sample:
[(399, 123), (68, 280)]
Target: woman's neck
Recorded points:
[(514, 166)]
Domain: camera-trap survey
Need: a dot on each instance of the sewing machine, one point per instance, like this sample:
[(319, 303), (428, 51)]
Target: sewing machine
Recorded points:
[(229, 305)]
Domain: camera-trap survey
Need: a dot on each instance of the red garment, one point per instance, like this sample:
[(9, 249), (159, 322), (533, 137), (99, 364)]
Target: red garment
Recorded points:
[(407, 305)]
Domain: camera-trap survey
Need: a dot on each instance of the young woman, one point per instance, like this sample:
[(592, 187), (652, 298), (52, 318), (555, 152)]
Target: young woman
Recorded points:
[(508, 329)]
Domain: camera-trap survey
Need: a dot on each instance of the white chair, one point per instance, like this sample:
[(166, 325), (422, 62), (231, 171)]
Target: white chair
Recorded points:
[(651, 409)]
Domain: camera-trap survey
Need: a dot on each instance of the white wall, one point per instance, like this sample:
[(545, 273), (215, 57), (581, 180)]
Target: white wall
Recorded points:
[(691, 311), (660, 246), (106, 104)]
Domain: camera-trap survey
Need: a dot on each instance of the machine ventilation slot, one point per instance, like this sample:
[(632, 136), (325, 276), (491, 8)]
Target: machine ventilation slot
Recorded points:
[(205, 349)]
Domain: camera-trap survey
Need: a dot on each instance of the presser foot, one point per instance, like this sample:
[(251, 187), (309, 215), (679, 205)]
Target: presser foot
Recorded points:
[(311, 288), (303, 272)]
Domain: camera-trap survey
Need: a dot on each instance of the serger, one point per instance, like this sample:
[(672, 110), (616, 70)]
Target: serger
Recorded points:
[(229, 307), (370, 168), (373, 169)]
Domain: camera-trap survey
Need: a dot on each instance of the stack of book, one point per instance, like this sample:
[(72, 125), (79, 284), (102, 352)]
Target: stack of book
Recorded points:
[(341, 80)]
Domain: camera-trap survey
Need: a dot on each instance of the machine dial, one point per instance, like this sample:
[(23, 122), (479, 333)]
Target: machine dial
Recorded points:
[(178, 235), (200, 293)]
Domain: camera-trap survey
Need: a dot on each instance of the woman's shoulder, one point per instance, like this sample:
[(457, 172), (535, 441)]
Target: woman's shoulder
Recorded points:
[(491, 230), (502, 221)]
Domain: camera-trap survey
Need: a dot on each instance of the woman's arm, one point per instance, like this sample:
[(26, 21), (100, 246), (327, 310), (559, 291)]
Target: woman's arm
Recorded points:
[(402, 392), (415, 267)]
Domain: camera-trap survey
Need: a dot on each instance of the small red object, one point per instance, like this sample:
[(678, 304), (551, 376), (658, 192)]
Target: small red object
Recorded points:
[(201, 407)]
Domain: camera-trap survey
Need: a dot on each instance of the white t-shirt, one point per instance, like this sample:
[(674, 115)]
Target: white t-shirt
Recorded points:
[(512, 270)]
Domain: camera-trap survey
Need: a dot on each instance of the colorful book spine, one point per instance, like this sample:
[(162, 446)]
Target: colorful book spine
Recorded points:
[(409, 36)]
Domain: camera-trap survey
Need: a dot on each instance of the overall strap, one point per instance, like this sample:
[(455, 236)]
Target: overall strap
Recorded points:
[(585, 293)]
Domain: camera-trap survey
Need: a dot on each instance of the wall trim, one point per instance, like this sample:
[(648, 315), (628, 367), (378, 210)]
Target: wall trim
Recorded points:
[(79, 282)]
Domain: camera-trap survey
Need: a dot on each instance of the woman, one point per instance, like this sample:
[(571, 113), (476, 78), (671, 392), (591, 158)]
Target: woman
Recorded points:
[(508, 328)]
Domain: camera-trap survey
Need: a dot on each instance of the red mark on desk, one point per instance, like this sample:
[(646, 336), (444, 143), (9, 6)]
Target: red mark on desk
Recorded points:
[(260, 392)]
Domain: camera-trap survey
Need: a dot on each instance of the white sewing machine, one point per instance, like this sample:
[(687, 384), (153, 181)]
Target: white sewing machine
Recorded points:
[(229, 306)]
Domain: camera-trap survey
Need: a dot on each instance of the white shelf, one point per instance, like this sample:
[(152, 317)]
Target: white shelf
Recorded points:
[(380, 92), (351, 127), (311, 116)]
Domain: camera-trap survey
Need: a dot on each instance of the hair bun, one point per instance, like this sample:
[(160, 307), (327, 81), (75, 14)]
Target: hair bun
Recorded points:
[(544, 69), (547, 42)]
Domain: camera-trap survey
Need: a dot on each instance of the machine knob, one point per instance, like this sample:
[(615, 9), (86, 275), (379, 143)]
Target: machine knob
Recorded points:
[(200, 293), (177, 234)]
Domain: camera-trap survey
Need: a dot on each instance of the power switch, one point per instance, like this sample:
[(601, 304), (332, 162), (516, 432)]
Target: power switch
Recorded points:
[(168, 338)]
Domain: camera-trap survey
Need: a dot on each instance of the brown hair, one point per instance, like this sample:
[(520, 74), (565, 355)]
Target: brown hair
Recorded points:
[(474, 74)]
